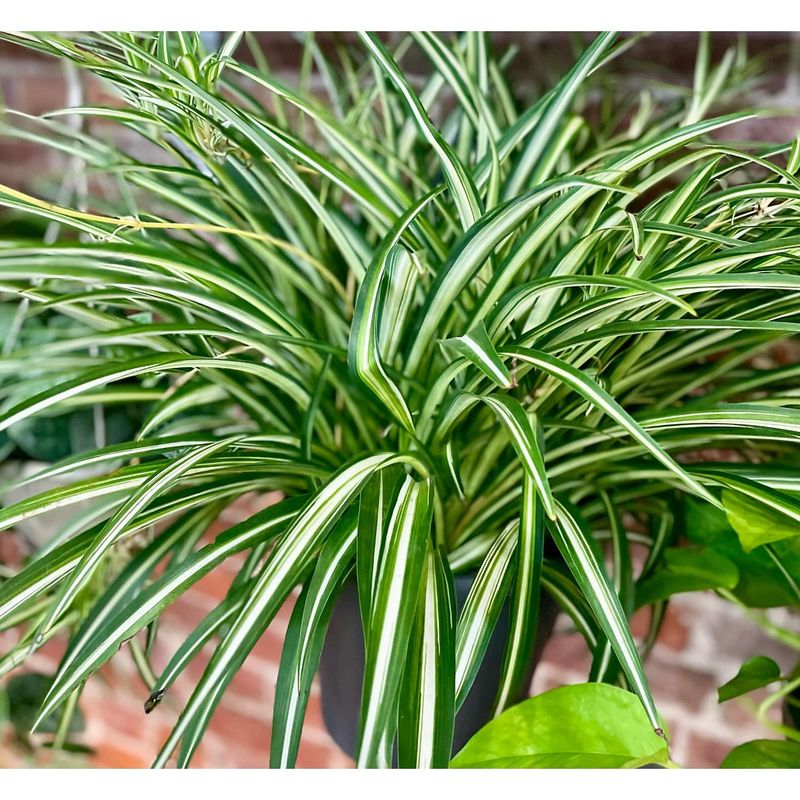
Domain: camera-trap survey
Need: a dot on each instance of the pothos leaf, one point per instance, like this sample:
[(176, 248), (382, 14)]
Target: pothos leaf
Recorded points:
[(586, 725)]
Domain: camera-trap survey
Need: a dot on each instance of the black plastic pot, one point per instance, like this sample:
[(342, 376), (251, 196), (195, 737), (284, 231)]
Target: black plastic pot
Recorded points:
[(341, 668)]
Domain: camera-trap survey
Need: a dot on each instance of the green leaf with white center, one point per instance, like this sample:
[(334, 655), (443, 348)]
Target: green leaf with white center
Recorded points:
[(427, 696), (470, 254), (482, 608), (304, 639), (403, 271), (129, 620), (525, 596), (451, 457), (519, 301), (555, 107), (566, 592), (224, 270), (477, 347), (62, 496), (208, 627), (458, 179), (103, 375), (111, 454), (620, 555), (527, 441), (549, 224), (38, 578), (637, 234), (128, 583), (601, 399), (282, 571), (110, 533), (375, 504), (408, 533), (589, 574), (363, 354)]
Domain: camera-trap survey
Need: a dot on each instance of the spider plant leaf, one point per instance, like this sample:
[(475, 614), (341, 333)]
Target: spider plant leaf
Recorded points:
[(371, 170), (375, 504), (129, 619), (471, 253), (209, 626), (403, 271), (601, 399), (549, 224), (520, 300), (524, 602), (624, 329), (604, 665), (258, 135), (564, 590), (300, 657), (397, 590), (111, 531), (458, 179), (620, 555), (481, 610), (453, 466), (637, 234), (149, 364), (275, 267), (123, 451), (527, 443), (553, 111), (62, 496), (679, 204), (448, 65), (364, 350), (46, 572), (477, 347), (287, 561), (427, 696), (590, 576), (128, 583)]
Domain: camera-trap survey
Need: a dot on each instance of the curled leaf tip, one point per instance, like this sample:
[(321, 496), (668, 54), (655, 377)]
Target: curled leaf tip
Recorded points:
[(152, 701)]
